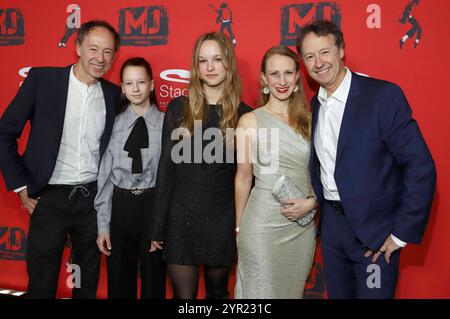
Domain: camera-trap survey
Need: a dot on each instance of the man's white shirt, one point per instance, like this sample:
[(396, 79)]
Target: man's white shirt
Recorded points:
[(84, 121)]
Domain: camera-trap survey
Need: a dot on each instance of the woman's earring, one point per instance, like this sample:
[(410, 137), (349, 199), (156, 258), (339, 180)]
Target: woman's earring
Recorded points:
[(296, 88), (266, 90)]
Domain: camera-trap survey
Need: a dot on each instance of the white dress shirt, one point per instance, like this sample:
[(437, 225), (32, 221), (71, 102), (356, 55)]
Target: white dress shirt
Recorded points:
[(84, 122), (327, 133), (326, 137)]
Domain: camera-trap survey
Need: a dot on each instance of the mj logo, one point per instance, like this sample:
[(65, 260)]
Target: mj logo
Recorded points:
[(12, 31), (13, 243), (144, 26), (293, 16)]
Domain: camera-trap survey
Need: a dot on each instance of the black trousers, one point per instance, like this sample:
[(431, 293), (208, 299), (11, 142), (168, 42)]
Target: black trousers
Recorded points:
[(130, 246), (348, 273), (63, 210)]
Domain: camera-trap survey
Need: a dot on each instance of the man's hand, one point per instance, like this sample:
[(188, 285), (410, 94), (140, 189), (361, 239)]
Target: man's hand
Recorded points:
[(154, 245), (28, 202), (297, 208), (104, 244), (387, 249)]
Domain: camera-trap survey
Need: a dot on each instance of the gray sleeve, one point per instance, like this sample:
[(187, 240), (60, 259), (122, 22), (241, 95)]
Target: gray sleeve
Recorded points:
[(103, 200)]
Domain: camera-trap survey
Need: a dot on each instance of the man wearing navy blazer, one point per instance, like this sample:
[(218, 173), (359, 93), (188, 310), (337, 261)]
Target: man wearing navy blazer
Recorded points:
[(71, 111), (372, 173)]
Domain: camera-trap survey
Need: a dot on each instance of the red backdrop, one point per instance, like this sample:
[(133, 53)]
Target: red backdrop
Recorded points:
[(164, 32)]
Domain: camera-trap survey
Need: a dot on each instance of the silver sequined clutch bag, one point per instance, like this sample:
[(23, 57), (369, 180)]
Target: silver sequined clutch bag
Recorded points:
[(284, 188)]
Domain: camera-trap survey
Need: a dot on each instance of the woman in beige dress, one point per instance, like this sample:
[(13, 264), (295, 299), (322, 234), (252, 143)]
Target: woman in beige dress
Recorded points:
[(275, 253)]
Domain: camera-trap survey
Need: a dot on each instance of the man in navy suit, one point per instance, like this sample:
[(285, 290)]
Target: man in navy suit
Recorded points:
[(71, 112), (371, 170)]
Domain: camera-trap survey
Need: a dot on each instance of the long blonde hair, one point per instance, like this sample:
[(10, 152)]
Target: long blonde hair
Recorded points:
[(196, 106), (299, 116)]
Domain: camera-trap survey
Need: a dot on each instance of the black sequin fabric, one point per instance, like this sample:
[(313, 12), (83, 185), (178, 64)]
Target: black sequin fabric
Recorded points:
[(194, 207)]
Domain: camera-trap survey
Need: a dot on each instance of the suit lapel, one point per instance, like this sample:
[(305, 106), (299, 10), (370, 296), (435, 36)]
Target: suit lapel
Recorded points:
[(61, 91), (315, 112), (110, 115), (351, 108), (314, 161)]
